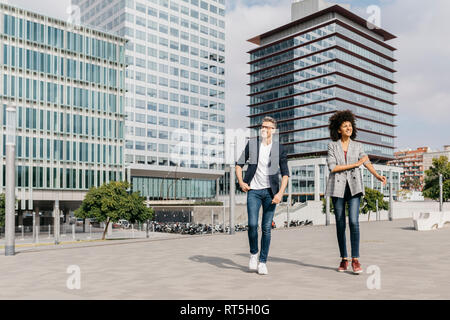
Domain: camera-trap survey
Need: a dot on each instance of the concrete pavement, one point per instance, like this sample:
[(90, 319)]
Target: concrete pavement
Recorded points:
[(302, 265)]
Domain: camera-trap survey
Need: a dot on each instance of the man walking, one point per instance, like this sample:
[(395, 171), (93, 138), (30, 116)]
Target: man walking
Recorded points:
[(265, 156)]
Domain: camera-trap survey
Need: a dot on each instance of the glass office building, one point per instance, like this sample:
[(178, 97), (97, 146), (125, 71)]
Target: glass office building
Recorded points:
[(67, 84), (329, 60), (175, 100)]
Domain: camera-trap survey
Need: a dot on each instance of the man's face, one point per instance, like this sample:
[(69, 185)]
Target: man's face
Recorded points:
[(267, 129)]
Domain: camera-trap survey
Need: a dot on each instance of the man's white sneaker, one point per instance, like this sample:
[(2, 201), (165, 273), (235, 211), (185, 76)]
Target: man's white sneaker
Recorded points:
[(262, 268), (253, 263)]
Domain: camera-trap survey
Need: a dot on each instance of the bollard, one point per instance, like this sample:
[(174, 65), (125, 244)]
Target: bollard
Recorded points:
[(34, 223), (287, 216), (391, 200), (224, 216), (22, 232), (37, 235), (378, 213), (327, 211), (440, 191), (49, 231), (73, 231), (153, 226), (146, 229)]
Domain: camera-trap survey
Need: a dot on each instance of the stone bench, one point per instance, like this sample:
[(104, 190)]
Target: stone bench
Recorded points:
[(431, 220)]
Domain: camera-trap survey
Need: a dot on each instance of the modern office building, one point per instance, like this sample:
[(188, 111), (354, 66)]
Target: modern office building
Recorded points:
[(67, 85), (321, 62), (175, 100), (326, 59), (412, 162)]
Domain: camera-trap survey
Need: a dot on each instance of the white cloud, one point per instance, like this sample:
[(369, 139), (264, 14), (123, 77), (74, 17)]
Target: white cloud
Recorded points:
[(243, 23), (423, 67)]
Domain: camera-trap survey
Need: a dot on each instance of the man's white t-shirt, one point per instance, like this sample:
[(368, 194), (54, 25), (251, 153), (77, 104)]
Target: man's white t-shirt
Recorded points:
[(261, 178)]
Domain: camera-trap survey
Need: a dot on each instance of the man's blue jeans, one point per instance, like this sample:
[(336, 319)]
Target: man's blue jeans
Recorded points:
[(256, 198), (353, 217)]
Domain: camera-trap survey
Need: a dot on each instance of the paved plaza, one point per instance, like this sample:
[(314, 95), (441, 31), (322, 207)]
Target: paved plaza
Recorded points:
[(302, 265)]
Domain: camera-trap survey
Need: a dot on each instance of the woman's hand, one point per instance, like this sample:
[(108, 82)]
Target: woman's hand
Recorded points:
[(383, 179)]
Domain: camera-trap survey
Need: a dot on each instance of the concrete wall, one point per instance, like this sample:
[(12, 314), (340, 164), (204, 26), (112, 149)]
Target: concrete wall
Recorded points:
[(313, 212), (401, 210), (202, 214)]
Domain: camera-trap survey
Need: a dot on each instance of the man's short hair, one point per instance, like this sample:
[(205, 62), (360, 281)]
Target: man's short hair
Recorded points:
[(269, 119)]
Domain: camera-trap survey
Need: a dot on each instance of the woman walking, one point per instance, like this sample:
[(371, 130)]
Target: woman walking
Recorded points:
[(345, 184)]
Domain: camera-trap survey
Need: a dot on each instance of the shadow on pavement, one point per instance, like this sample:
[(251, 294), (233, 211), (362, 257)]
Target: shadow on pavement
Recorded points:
[(220, 263), (284, 260)]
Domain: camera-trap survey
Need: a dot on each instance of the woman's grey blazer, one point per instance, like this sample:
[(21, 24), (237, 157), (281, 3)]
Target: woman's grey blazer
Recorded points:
[(337, 180)]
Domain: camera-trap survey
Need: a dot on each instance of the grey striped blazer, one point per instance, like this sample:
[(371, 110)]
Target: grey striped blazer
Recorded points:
[(337, 181)]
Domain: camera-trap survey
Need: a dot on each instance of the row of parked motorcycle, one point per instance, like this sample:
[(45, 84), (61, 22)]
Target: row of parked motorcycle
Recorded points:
[(297, 223), (194, 228), (199, 228)]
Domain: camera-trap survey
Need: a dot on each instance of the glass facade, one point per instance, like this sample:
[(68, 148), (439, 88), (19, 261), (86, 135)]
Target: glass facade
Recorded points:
[(303, 79), (175, 79), (68, 88), (171, 189)]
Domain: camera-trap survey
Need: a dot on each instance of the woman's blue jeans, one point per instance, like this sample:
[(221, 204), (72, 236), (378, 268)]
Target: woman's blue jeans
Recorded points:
[(256, 199), (353, 217)]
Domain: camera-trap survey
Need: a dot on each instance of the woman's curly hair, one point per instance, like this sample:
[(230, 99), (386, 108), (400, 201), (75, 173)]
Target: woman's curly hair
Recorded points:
[(337, 119)]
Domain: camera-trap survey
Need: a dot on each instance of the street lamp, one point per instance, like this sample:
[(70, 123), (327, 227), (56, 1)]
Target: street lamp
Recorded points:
[(10, 199)]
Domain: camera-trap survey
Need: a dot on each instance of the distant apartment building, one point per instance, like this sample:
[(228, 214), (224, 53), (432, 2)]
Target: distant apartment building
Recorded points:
[(412, 162), (429, 156), (175, 99), (67, 85)]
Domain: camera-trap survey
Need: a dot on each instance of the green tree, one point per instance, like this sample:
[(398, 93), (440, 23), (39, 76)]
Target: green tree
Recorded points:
[(412, 183), (112, 202), (431, 188), (369, 202), (2, 210)]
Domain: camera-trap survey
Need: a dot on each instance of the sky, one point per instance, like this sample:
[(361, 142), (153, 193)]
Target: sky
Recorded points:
[(423, 54)]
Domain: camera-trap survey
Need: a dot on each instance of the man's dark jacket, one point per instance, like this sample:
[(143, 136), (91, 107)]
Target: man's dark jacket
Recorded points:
[(277, 161)]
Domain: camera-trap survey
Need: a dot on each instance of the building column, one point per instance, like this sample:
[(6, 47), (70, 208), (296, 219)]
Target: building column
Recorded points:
[(316, 182), (217, 189), (290, 187), (371, 181), (20, 214), (36, 223), (56, 221), (66, 215)]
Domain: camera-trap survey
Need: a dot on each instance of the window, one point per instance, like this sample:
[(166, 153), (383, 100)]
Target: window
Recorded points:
[(151, 119), (152, 12), (140, 7), (140, 145)]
